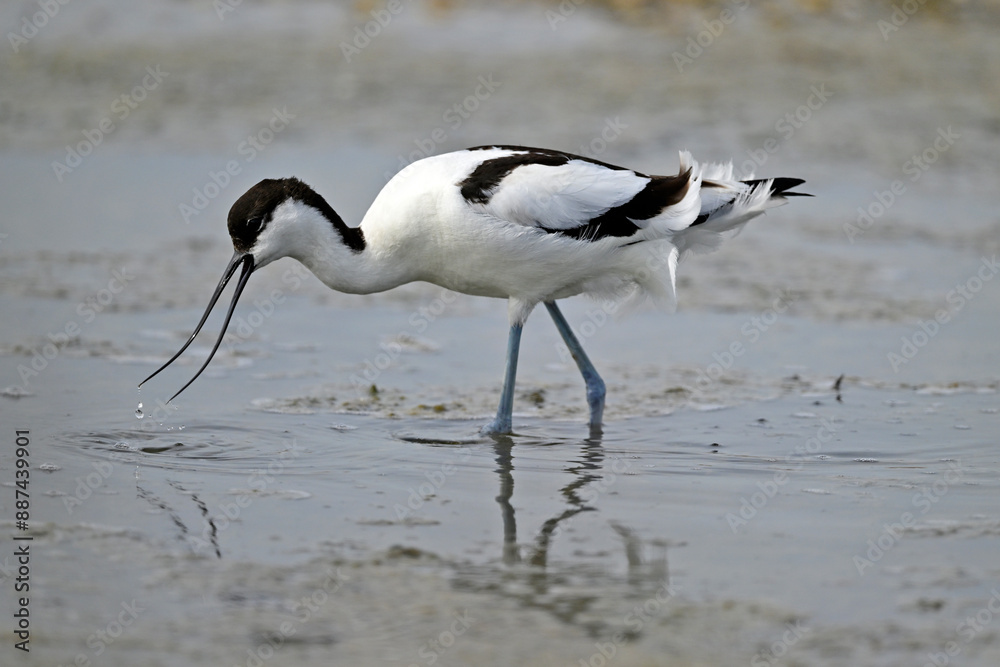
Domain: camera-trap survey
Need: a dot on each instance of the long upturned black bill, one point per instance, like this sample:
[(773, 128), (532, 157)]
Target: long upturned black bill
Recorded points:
[(238, 258)]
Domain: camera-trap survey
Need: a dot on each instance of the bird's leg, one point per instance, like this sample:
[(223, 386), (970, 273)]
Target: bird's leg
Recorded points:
[(595, 385), (502, 423)]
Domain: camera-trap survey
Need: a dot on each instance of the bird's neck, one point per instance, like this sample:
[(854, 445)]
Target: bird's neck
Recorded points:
[(341, 257)]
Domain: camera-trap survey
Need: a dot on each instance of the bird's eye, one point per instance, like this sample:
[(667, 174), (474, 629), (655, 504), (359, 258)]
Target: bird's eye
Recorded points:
[(255, 224)]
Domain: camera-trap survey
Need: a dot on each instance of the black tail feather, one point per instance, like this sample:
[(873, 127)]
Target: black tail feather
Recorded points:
[(780, 186)]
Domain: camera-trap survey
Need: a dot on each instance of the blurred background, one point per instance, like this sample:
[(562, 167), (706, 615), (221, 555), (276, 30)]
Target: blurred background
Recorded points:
[(127, 129), (844, 94)]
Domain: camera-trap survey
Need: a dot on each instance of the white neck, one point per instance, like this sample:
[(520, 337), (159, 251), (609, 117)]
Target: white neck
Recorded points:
[(300, 231)]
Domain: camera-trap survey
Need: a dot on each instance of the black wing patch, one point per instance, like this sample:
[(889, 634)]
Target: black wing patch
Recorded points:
[(661, 192), (552, 152), (479, 186)]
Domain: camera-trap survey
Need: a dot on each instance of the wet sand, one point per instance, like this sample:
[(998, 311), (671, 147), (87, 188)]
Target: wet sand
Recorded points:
[(320, 494)]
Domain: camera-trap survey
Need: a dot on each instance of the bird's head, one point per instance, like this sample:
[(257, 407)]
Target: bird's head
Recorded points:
[(264, 225)]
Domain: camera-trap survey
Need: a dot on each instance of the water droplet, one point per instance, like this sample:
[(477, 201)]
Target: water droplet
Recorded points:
[(138, 411)]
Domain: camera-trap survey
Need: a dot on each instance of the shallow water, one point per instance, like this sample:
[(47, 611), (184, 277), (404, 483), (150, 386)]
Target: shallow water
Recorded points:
[(321, 495), (853, 521)]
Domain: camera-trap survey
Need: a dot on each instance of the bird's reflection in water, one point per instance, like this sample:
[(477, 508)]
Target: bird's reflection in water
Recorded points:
[(528, 575), (593, 456), (505, 469)]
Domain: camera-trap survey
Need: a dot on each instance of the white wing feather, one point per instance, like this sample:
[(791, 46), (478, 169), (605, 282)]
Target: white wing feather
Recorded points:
[(561, 197)]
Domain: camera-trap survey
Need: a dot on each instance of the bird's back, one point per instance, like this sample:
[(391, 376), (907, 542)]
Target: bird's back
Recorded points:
[(537, 223)]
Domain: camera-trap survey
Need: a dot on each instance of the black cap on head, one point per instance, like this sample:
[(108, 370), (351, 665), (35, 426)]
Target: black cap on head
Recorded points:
[(250, 214)]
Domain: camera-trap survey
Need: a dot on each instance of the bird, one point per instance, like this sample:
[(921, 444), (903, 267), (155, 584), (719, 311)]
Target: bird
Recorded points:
[(529, 225)]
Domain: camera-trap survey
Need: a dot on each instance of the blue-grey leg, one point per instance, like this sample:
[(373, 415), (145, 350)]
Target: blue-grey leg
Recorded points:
[(595, 385), (502, 423)]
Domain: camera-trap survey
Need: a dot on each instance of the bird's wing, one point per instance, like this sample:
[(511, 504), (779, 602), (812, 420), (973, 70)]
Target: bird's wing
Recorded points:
[(576, 196)]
